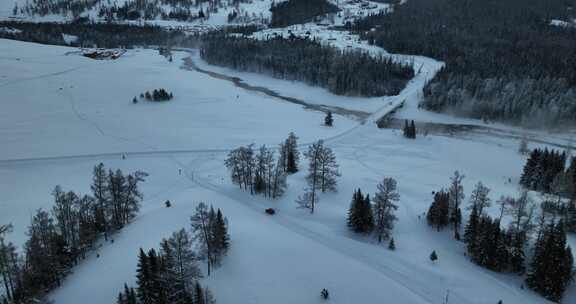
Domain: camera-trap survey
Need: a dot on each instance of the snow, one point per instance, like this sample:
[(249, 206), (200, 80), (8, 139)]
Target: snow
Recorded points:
[(69, 39), (63, 113), (562, 23), (52, 136)]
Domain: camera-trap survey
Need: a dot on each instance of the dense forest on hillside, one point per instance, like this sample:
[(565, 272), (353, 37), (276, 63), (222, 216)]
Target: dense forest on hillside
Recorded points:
[(351, 73), (181, 10), (504, 60), (104, 35), (299, 11)]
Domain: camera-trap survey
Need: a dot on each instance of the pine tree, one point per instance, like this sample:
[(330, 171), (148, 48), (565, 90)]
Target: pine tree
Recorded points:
[(144, 278), (199, 294), (433, 256), (322, 167), (409, 130), (360, 219), (201, 231), (100, 192), (456, 197), (479, 198), (180, 267), (391, 244), (220, 236), (552, 266), (328, 120), (438, 214), (384, 206), (471, 231), (528, 175), (406, 129), (291, 153)]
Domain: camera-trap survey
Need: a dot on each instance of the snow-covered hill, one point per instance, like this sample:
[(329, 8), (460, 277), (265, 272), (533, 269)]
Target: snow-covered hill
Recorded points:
[(65, 113)]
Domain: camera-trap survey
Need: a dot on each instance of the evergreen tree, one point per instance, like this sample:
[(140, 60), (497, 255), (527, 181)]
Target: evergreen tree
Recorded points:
[(291, 153), (360, 219), (433, 256), (438, 213), (551, 268), (456, 197), (220, 236), (322, 167), (409, 130), (144, 279), (384, 206), (100, 192), (471, 231), (391, 244), (328, 120), (479, 198)]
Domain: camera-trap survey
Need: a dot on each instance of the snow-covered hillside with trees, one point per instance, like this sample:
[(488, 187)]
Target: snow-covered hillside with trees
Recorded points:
[(153, 173), (56, 135)]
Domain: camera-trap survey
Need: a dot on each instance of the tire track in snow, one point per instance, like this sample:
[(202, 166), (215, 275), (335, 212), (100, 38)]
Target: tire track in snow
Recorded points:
[(402, 279), (16, 81)]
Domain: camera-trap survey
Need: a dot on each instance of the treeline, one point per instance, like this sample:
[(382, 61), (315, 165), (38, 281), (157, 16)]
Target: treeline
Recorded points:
[(259, 172), (181, 10), (170, 275), (299, 11), (504, 61), (60, 238), (102, 35), (490, 245), (352, 73), (54, 7), (546, 171)]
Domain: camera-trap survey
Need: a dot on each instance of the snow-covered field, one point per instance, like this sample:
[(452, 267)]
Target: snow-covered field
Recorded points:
[(63, 113)]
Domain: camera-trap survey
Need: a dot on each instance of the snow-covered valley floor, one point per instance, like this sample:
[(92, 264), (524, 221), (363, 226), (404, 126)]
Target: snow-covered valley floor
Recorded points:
[(63, 113)]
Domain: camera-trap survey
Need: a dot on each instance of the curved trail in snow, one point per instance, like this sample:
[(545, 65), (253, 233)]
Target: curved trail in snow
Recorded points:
[(240, 83)]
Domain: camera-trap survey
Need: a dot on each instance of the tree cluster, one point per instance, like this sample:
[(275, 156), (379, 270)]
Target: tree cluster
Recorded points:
[(504, 60), (291, 12), (542, 168), (500, 249), (376, 217), (351, 73), (446, 207), (157, 95), (169, 275), (210, 231), (546, 171), (360, 217), (60, 238), (260, 172), (439, 212), (409, 130), (181, 10), (101, 35), (552, 265)]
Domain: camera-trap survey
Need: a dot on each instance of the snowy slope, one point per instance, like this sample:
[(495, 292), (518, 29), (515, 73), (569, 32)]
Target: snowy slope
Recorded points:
[(287, 258)]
